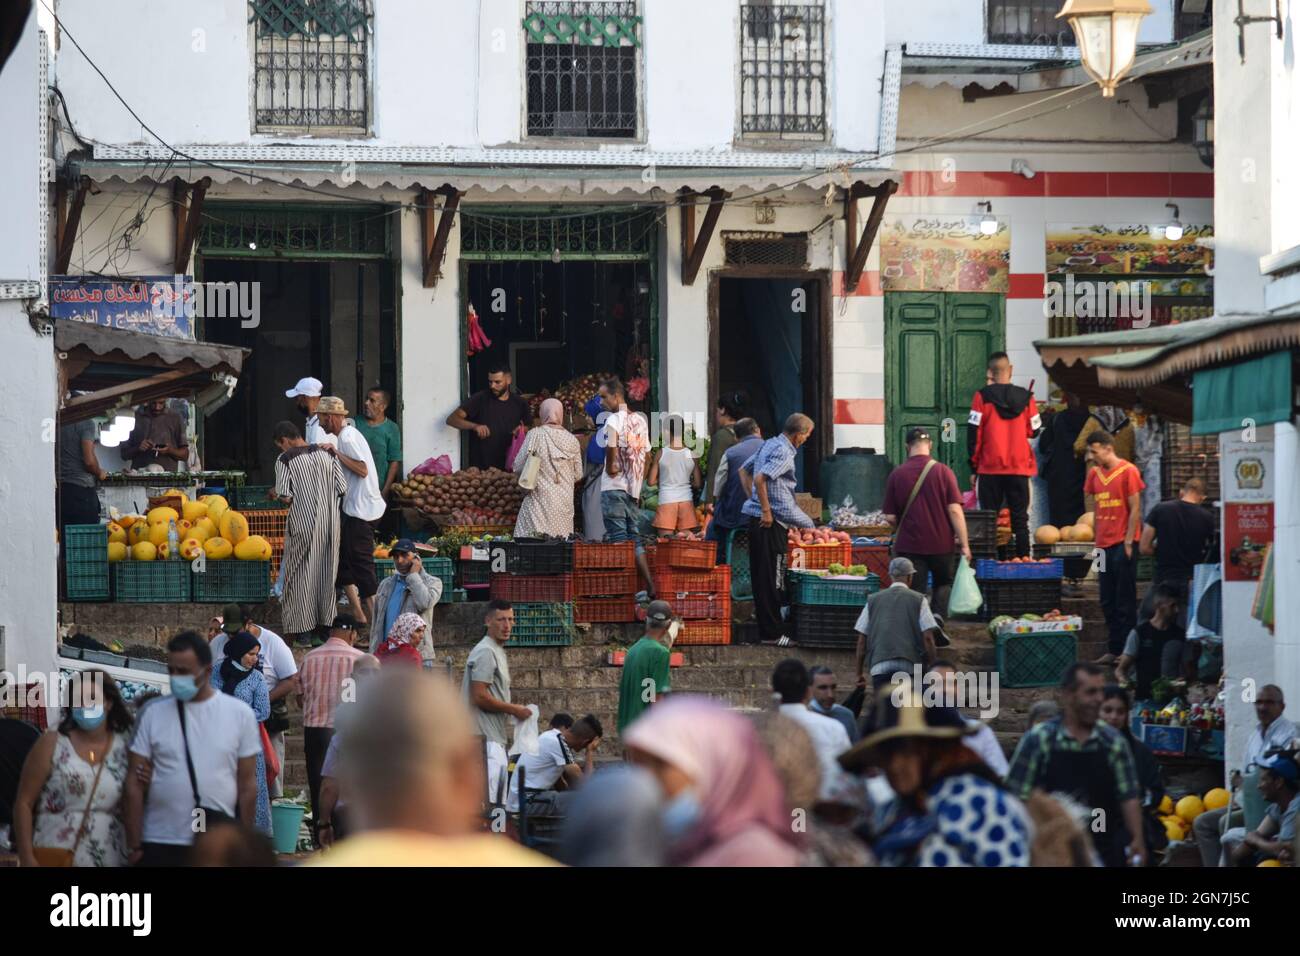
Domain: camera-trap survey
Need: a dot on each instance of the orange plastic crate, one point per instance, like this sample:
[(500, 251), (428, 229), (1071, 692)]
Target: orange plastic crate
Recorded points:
[(876, 559), (269, 524), (605, 609), (678, 553), (533, 588), (810, 557), (604, 583), (604, 557), (676, 581), (704, 632)]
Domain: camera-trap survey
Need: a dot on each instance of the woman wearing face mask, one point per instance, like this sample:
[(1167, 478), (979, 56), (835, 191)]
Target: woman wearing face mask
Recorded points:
[(725, 805), (68, 811), (239, 675)]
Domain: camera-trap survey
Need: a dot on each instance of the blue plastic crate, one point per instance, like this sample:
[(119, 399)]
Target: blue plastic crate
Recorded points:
[(989, 570)]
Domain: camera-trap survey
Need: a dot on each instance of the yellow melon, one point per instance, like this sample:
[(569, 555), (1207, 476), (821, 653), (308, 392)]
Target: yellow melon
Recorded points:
[(191, 548), (158, 533), (116, 534), (164, 552), (253, 548), (205, 525), (1087, 518), (1190, 807), (163, 515), (234, 526), (192, 511), (1167, 804), (1270, 863), (1047, 534), (127, 520), (217, 549), (200, 533), (217, 506), (1216, 799), (1173, 831), (117, 551), (176, 493), (1079, 532), (139, 532), (144, 551)]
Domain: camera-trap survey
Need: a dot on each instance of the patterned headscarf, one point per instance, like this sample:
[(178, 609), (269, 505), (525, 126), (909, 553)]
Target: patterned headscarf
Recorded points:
[(405, 628)]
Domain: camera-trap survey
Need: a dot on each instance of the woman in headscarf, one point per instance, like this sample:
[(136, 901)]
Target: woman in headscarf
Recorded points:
[(239, 675), (1115, 709), (403, 643), (616, 819), (726, 805), (949, 808), (547, 510)]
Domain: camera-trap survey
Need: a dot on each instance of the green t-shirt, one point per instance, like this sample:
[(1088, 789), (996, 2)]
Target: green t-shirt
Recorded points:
[(385, 441), (646, 675)]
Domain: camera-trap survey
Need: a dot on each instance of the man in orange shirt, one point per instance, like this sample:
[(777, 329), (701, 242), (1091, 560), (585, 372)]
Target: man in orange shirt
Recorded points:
[(1113, 490)]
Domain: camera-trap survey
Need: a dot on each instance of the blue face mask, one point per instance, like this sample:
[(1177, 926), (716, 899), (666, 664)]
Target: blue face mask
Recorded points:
[(184, 686), (88, 718), (681, 814)]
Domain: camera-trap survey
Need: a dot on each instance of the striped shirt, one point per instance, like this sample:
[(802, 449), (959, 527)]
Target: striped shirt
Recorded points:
[(323, 672), (1029, 763), (775, 460)]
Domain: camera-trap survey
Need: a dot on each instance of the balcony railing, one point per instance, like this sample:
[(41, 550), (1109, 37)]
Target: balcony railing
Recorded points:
[(1031, 22)]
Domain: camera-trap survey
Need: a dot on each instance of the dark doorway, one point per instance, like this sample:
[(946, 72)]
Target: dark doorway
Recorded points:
[(771, 341)]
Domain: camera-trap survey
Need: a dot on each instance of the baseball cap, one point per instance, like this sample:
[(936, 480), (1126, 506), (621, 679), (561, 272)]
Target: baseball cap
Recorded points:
[(915, 435), (406, 544), (659, 612), (232, 619), (1283, 765), (344, 622), (901, 568), (311, 387)]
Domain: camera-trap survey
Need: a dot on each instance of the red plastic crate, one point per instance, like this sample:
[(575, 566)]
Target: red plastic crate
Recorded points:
[(704, 632), (605, 609), (697, 607), (676, 581), (604, 583), (818, 556), (604, 557), (269, 524), (533, 588), (876, 558), (678, 553)]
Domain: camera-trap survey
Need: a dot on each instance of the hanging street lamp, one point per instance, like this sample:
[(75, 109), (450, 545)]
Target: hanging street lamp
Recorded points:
[(1203, 130), (1107, 32)]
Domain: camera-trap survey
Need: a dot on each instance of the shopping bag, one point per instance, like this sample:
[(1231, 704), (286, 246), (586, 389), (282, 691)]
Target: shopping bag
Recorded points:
[(965, 597), (525, 734), (516, 443)]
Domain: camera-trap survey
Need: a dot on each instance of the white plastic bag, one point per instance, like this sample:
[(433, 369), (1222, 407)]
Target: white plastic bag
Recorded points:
[(525, 741), (965, 597)]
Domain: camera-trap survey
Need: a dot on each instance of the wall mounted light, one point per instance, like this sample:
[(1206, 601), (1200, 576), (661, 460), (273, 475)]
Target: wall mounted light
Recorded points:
[(1174, 228), (1107, 33), (988, 225)]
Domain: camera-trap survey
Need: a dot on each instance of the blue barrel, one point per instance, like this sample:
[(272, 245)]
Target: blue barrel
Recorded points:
[(857, 473)]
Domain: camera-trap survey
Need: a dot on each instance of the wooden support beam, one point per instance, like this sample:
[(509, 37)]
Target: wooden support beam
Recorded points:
[(856, 248), (111, 394), (187, 212), (66, 226), (434, 229), (695, 246)]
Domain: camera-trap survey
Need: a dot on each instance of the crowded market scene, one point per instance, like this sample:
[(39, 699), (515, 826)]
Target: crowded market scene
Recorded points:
[(899, 477)]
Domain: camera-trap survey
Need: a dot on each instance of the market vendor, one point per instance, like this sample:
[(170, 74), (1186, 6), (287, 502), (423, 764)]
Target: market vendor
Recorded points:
[(384, 438), (157, 439), (492, 416), (1156, 647)]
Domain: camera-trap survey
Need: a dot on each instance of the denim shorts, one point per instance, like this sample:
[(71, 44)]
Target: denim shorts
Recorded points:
[(622, 518)]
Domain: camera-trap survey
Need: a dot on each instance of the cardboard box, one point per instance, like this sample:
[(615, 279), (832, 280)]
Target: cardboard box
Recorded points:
[(1063, 626)]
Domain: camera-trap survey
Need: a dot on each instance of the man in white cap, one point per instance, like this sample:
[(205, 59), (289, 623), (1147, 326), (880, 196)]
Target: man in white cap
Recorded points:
[(308, 392), (896, 627)]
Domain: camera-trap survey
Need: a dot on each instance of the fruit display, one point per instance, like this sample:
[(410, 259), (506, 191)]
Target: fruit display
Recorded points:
[(206, 525), (573, 393), (489, 495), (851, 571), (810, 537)]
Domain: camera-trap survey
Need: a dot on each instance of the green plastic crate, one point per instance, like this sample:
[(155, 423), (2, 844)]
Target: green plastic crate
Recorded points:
[(815, 590), (85, 562), (254, 498), (439, 566), (1034, 660), (737, 557), (240, 582), (384, 567), (542, 625), (1146, 567), (152, 582)]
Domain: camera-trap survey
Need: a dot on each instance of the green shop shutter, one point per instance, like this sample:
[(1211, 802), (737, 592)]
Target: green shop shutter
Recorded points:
[(1258, 389)]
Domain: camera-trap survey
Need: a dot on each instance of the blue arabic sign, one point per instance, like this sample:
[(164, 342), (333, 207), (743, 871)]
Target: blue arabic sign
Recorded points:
[(139, 304)]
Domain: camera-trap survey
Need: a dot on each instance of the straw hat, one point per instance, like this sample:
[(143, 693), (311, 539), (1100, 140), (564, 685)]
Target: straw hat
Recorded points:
[(912, 720), (331, 405)]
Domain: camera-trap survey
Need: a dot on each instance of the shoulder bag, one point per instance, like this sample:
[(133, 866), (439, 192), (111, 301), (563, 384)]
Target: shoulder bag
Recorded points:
[(211, 816), (916, 489), (56, 856)]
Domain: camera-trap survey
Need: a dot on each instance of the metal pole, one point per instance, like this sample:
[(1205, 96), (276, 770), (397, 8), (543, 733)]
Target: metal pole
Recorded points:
[(361, 335)]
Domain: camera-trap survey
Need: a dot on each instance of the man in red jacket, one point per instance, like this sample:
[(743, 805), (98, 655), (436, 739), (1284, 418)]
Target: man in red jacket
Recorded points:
[(1003, 417)]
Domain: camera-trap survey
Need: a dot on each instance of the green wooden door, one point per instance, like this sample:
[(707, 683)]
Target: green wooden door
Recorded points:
[(937, 346)]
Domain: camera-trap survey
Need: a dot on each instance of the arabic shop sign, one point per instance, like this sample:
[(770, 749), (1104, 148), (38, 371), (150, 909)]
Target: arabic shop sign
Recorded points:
[(137, 304)]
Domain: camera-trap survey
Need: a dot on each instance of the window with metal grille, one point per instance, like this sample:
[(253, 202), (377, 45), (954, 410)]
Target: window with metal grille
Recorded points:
[(582, 68), (782, 69), (311, 64), (765, 248), (1031, 22)]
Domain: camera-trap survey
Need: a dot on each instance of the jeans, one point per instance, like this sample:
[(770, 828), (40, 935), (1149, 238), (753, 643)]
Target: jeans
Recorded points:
[(1118, 586), (622, 518), (1014, 490)]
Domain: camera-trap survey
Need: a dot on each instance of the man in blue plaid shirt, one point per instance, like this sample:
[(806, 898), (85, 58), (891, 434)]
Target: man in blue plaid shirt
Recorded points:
[(770, 477)]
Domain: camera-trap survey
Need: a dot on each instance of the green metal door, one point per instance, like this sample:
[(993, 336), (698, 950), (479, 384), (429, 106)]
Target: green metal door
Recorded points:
[(937, 346)]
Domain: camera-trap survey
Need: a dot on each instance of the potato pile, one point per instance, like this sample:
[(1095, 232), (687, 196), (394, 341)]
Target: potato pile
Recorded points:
[(490, 491)]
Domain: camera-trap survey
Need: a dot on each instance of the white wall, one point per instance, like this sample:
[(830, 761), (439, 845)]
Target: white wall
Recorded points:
[(24, 200), (962, 21)]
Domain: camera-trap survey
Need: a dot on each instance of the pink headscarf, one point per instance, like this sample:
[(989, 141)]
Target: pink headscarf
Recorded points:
[(551, 412), (405, 628), (737, 785)]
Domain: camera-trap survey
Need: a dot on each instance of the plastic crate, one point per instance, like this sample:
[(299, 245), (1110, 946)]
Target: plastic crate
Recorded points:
[(588, 556), (704, 632), (670, 582), (542, 625), (479, 530), (85, 562), (986, 570), (819, 556), (604, 583), (815, 589), (256, 498), (1034, 660), (457, 596), (438, 566), (1146, 567), (269, 524), (538, 557), (474, 574), (697, 607), (613, 610), (876, 559), (737, 558), (152, 582), (1020, 597), (528, 588), (678, 553), (240, 582), (823, 625)]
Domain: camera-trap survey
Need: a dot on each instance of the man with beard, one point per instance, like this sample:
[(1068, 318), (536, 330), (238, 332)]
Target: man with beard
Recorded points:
[(307, 394), (157, 439), (491, 417), (409, 588)]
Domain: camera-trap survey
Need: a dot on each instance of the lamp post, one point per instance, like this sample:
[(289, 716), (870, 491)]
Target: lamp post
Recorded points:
[(1203, 130), (1106, 31)]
